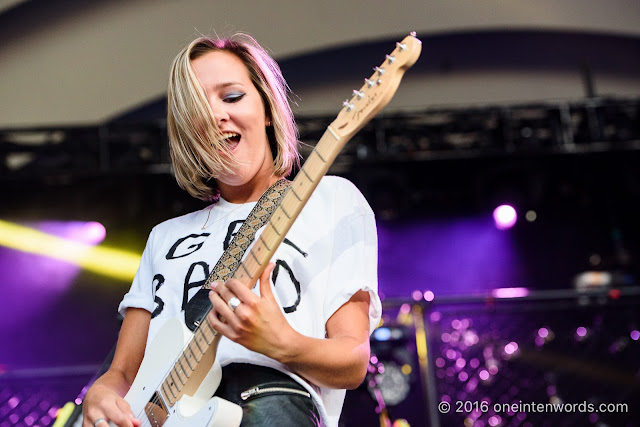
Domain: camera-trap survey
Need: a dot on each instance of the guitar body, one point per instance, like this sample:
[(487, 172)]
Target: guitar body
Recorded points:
[(200, 409)]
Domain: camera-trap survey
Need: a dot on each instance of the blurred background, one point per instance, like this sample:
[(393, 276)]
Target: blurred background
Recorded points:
[(533, 107)]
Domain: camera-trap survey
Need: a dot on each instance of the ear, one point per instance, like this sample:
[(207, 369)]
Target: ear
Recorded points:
[(267, 121)]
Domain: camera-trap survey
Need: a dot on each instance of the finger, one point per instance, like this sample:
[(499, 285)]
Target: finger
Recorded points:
[(265, 282), (220, 289), (225, 291), (218, 323), (118, 418), (220, 312), (123, 405), (99, 413), (219, 304), (241, 291)]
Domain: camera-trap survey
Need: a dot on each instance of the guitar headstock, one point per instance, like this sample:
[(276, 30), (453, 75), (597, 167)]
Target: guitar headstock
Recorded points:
[(377, 90)]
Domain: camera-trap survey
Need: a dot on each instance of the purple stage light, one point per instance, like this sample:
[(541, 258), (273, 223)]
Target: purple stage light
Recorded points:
[(635, 335), (510, 292), (90, 233), (456, 255), (511, 348), (94, 232), (505, 217)]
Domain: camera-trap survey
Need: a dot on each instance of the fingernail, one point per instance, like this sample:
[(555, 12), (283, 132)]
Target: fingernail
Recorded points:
[(214, 285)]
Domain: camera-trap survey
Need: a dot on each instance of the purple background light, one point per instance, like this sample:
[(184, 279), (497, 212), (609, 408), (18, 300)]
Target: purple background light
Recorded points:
[(510, 292), (90, 233), (505, 217), (33, 289), (456, 256)]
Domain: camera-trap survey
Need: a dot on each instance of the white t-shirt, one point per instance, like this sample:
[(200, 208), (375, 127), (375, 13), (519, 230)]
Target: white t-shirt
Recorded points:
[(329, 254)]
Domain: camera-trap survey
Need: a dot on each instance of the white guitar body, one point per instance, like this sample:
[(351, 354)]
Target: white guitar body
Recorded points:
[(197, 410)]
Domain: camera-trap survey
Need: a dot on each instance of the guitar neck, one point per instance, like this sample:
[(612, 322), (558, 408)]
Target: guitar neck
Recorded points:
[(283, 217)]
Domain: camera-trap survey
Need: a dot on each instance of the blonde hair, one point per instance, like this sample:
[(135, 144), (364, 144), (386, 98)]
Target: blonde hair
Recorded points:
[(197, 154)]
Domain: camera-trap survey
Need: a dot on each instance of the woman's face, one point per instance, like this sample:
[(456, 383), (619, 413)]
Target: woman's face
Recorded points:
[(240, 114)]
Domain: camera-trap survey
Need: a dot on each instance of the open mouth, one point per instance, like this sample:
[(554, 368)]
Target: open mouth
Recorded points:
[(232, 139)]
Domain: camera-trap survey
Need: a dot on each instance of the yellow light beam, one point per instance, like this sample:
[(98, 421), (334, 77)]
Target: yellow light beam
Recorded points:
[(110, 262)]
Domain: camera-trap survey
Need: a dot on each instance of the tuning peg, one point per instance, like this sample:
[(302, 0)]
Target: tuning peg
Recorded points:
[(369, 82), (346, 104), (379, 70), (358, 94), (391, 58), (401, 46)]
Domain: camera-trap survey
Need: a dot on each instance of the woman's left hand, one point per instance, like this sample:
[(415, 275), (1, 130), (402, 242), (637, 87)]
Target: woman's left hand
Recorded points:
[(257, 323)]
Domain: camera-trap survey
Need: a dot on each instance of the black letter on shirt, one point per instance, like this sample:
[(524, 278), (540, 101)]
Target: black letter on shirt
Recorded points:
[(159, 279), (193, 247), (231, 232), (187, 280), (296, 284)]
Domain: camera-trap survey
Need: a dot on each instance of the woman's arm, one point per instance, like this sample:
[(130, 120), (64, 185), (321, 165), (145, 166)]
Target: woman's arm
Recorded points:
[(105, 397), (339, 361)]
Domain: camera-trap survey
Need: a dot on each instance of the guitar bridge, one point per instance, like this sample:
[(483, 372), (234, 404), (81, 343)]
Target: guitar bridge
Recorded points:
[(156, 410)]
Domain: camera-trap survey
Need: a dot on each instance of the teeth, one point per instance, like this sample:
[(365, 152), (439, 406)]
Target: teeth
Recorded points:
[(228, 135)]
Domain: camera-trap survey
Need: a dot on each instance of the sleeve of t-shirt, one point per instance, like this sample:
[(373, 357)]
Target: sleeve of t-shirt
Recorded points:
[(141, 293), (354, 259)]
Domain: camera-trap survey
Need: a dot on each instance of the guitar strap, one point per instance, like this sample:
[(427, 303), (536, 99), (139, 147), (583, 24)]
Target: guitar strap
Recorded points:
[(198, 306)]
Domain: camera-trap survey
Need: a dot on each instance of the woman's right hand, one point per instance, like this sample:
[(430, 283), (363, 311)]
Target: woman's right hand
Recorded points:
[(103, 400), (102, 405)]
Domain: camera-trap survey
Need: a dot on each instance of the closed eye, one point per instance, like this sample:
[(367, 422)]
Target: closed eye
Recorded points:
[(234, 97)]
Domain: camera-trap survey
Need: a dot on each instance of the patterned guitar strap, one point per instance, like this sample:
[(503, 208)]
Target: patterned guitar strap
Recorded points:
[(198, 306)]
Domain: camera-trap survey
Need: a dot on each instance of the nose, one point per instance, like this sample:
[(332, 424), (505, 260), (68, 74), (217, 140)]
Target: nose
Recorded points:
[(219, 113)]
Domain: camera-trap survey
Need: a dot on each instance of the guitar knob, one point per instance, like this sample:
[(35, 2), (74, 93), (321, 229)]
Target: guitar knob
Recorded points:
[(346, 104)]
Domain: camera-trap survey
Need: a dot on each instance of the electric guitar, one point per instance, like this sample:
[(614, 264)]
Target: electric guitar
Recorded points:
[(179, 373)]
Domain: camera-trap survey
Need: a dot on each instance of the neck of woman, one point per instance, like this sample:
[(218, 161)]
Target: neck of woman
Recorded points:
[(249, 192)]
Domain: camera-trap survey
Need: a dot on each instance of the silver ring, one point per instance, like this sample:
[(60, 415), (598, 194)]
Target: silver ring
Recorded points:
[(98, 421), (234, 303)]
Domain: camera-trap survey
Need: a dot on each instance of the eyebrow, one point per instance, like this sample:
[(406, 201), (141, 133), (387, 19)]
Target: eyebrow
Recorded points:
[(225, 84)]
